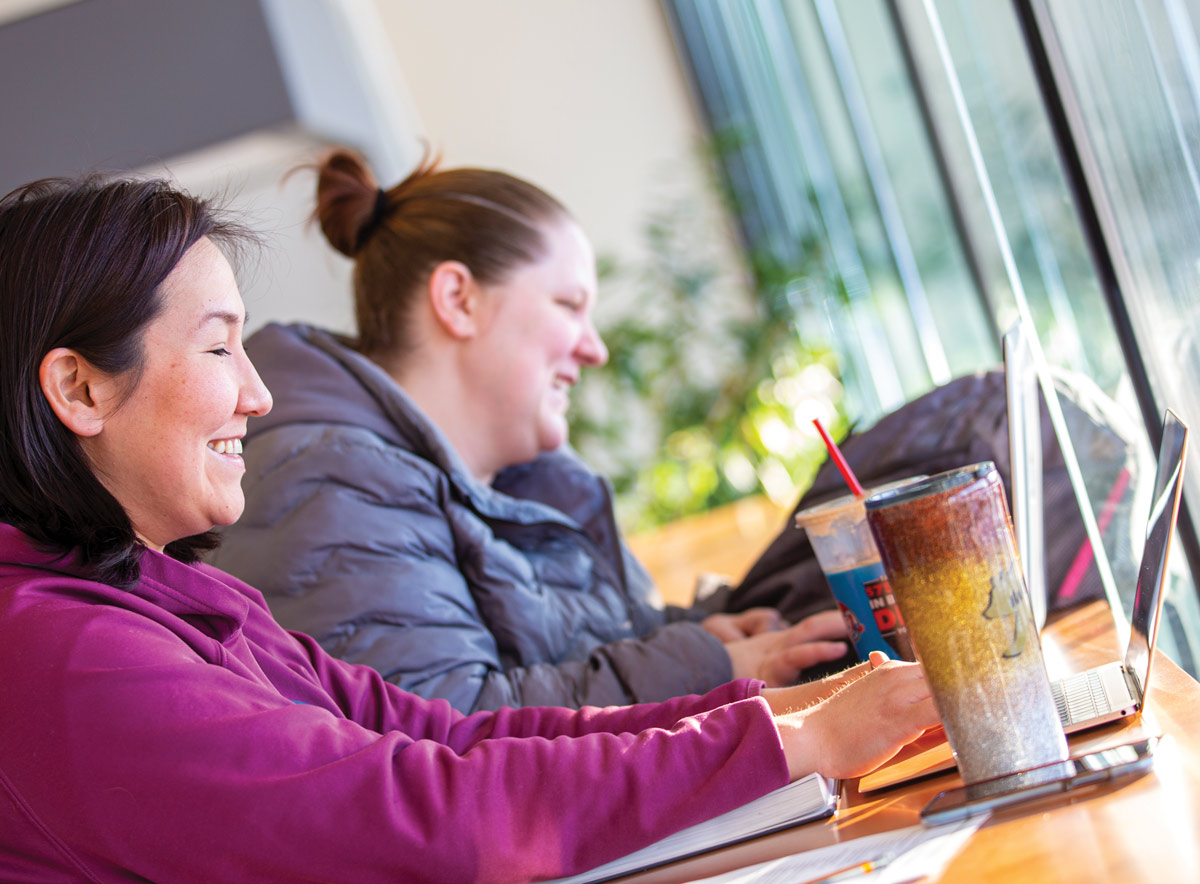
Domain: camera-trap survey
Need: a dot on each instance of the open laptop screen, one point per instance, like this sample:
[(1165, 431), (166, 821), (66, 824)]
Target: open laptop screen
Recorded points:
[(1160, 527), (1025, 458)]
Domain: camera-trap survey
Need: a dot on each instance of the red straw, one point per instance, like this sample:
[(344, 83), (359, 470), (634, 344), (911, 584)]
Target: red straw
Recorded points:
[(839, 461)]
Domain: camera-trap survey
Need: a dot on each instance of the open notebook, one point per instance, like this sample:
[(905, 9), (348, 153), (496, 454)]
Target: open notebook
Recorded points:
[(812, 798)]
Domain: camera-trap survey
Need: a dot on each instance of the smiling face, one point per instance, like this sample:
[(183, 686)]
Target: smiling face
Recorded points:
[(170, 451), (536, 335)]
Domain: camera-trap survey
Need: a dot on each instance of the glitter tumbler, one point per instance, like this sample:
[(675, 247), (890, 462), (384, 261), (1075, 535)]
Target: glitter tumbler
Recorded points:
[(946, 543)]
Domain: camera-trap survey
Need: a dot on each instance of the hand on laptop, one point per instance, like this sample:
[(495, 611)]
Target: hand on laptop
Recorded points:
[(859, 726), (778, 657), (797, 697), (755, 621)]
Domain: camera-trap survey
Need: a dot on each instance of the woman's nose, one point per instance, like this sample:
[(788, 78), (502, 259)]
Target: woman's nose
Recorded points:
[(591, 349), (255, 399)]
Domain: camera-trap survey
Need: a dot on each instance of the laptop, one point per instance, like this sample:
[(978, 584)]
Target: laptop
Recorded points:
[(1114, 690), (1025, 462)]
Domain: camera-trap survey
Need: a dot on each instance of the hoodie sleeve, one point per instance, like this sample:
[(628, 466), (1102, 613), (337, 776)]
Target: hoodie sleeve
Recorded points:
[(127, 753), (351, 544)]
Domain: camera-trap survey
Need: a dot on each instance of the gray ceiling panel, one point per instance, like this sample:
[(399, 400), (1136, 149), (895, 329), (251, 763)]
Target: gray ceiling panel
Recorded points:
[(119, 84)]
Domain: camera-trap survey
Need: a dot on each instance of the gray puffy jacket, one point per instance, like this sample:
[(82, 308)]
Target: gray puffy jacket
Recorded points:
[(364, 529)]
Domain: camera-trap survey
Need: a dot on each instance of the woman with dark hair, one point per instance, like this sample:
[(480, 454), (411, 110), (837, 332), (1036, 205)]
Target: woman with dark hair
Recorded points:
[(50, 491), (412, 501), (159, 725)]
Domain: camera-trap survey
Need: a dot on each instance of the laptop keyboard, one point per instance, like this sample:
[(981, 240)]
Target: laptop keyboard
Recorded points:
[(1079, 697)]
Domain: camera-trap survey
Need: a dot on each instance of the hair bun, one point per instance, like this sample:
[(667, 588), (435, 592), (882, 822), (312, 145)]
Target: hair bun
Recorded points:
[(378, 213), (350, 204)]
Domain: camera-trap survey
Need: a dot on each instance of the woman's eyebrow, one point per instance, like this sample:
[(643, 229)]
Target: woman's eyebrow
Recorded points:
[(225, 316)]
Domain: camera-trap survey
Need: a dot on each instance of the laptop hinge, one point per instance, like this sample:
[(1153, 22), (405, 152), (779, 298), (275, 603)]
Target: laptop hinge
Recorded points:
[(1134, 685)]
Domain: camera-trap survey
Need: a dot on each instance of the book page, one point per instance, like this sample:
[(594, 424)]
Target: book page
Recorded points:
[(811, 798), (895, 857)]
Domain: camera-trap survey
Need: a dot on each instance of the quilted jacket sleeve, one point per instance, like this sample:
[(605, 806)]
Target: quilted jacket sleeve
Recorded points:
[(369, 567)]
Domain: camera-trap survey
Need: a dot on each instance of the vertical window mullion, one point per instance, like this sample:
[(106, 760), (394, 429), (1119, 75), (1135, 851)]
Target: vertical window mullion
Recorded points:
[(885, 198), (1095, 214), (954, 197)]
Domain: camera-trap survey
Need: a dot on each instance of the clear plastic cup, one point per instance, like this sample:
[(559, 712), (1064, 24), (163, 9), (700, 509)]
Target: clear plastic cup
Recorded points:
[(847, 555)]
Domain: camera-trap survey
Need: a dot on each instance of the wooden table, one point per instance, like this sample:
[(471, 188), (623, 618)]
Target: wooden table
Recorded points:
[(1143, 829)]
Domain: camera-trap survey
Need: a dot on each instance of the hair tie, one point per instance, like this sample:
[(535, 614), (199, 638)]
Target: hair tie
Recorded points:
[(377, 215)]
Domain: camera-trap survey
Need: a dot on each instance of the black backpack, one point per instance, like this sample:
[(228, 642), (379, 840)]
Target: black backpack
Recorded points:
[(961, 423)]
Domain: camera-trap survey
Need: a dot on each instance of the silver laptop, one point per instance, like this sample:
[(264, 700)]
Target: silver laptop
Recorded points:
[(1114, 690), (1025, 460)]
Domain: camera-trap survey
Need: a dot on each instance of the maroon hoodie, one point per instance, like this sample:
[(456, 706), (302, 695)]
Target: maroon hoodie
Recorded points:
[(174, 732)]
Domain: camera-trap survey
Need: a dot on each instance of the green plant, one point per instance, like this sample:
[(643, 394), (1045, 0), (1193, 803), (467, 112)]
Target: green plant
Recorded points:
[(709, 392)]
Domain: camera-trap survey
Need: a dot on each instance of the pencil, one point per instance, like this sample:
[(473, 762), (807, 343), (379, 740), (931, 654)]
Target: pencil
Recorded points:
[(849, 872)]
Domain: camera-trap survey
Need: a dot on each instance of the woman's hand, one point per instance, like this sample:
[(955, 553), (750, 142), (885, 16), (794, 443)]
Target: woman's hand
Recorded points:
[(754, 621), (778, 657), (801, 696), (858, 727)]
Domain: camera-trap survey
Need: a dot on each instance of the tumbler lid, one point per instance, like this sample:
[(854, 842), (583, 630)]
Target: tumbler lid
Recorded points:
[(934, 484)]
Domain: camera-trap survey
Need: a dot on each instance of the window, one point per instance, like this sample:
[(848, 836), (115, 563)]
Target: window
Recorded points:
[(958, 164)]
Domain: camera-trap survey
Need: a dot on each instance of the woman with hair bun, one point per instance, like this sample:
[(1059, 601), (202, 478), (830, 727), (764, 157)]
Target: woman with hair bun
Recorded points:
[(159, 725), (412, 500)]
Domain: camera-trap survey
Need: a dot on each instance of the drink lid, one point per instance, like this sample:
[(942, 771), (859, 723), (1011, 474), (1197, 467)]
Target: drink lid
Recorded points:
[(823, 513), (819, 515), (936, 484)]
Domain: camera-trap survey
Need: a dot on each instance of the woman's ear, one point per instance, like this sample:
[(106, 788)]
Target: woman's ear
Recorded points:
[(454, 297), (70, 384)]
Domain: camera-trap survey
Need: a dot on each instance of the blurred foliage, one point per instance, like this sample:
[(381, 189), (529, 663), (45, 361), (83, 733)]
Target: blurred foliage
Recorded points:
[(710, 389)]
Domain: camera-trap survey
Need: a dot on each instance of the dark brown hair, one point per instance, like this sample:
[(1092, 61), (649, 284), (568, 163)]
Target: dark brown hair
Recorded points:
[(490, 221), (81, 265)]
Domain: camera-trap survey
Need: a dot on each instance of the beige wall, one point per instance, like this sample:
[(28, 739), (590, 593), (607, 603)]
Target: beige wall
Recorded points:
[(586, 98)]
